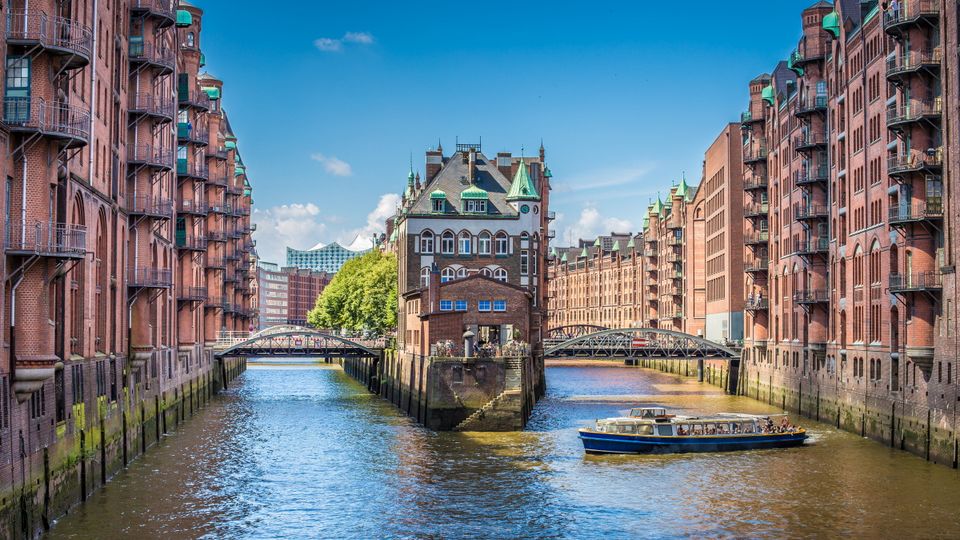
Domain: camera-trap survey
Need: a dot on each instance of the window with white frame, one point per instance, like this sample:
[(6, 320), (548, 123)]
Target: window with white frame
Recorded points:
[(461, 305), (524, 262), (446, 305), (425, 276), (500, 274), (483, 243), (464, 245), (483, 305), (475, 207), (486, 272), (503, 243), (439, 205), (446, 243), (447, 274), (426, 242), (499, 305)]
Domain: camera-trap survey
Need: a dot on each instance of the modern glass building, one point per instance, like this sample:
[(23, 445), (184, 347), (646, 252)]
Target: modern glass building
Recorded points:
[(322, 259)]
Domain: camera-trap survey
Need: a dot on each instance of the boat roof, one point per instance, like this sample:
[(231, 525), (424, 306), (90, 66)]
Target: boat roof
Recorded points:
[(718, 417)]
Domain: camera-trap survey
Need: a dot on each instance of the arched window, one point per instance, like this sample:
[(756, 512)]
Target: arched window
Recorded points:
[(425, 276), (483, 243), (426, 242), (502, 244), (461, 272), (446, 243), (464, 245), (447, 274), (486, 272), (191, 40), (500, 274)]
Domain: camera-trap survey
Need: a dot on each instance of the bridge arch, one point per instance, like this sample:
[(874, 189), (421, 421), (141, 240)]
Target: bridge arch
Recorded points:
[(640, 343), (296, 341)]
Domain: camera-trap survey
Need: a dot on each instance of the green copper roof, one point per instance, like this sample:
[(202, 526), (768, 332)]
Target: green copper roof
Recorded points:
[(241, 170), (630, 244), (212, 92), (522, 188), (410, 177), (831, 23), (547, 173), (203, 59), (563, 258), (681, 189), (438, 194), (646, 222), (231, 145), (596, 243), (184, 18), (616, 246), (474, 192), (584, 252), (767, 94), (657, 206), (791, 63)]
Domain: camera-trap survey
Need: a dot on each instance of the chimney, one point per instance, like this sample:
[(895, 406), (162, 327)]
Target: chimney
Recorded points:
[(472, 169), (504, 161), (434, 164), (433, 289)]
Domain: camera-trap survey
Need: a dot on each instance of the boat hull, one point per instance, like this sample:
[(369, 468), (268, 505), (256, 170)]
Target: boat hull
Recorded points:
[(615, 443)]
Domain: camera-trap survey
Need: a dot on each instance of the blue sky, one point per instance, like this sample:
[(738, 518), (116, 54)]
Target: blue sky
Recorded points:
[(330, 98)]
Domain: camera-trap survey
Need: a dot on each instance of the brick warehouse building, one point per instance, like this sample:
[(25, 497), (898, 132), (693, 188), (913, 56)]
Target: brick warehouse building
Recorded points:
[(127, 242)]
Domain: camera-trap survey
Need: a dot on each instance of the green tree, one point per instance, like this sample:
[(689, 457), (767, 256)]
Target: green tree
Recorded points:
[(361, 296)]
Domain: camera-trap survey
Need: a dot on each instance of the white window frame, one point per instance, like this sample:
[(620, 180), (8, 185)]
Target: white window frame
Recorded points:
[(425, 276), (448, 242), (464, 243), (446, 305), (505, 239), (483, 243), (500, 275), (447, 274), (524, 262), (500, 306), (460, 305), (484, 303), (426, 242)]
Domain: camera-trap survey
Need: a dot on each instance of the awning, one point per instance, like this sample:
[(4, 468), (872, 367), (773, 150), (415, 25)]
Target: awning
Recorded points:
[(184, 18)]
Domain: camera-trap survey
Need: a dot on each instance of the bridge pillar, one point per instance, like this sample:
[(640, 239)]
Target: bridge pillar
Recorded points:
[(699, 369)]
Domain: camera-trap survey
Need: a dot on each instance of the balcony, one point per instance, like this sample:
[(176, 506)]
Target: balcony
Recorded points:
[(756, 304), (900, 117), (921, 162), (747, 118), (190, 242), (810, 212), (150, 278), (150, 207), (219, 208), (756, 239), (756, 184), (232, 257), (813, 246), (673, 241), (757, 266), (805, 55), (230, 277), (551, 215), (217, 153), (912, 13), (216, 236), (916, 282), (46, 239), (59, 36), (65, 123), (215, 263), (811, 176), (217, 179), (195, 171), (216, 302), (674, 258), (241, 211), (811, 297), (164, 11), (755, 154), (161, 109), (900, 68), (650, 253), (187, 132), (809, 142), (161, 59), (195, 98), (234, 190), (918, 212), (760, 210), (810, 105), (192, 294), (148, 156), (191, 207)]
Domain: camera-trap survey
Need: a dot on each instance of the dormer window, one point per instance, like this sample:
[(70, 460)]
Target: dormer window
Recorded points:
[(438, 205), (438, 201), (475, 207)]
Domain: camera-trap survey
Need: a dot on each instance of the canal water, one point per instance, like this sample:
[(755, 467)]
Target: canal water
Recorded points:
[(305, 452)]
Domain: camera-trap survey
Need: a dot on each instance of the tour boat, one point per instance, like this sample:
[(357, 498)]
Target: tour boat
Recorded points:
[(652, 430)]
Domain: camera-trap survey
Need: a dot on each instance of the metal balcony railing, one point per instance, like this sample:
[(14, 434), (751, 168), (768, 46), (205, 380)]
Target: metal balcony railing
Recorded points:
[(215, 263), (147, 155), (757, 265), (812, 175), (756, 210), (152, 54), (908, 13), (810, 211), (216, 236), (217, 152), (192, 207), (756, 183), (192, 294), (150, 206), (194, 98), (756, 304), (914, 111), (218, 179), (757, 238), (915, 161), (192, 170), (809, 141), (811, 297), (916, 281), (921, 211), (56, 120), (755, 153), (152, 105), (809, 52), (56, 34), (46, 239), (190, 242), (164, 9), (811, 246), (215, 302), (150, 278), (913, 61), (810, 104)]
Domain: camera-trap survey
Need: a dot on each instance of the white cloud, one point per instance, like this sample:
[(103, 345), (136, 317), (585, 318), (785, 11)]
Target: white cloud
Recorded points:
[(333, 165), (327, 44), (604, 178), (589, 225), (295, 225), (376, 222), (363, 38)]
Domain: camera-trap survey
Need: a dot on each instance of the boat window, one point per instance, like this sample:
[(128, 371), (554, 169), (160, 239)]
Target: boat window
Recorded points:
[(665, 429), (645, 429), (628, 429), (747, 427)]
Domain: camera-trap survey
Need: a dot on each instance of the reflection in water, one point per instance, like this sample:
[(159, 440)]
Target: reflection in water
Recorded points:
[(305, 452)]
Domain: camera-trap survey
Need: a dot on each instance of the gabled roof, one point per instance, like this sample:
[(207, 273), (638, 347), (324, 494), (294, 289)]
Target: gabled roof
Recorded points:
[(453, 178), (522, 188)]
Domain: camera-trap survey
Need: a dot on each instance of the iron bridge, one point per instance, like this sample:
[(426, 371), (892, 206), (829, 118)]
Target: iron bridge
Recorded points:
[(639, 343), (295, 342)]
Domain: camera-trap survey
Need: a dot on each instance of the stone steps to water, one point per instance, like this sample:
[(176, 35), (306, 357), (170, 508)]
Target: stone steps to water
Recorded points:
[(480, 413)]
